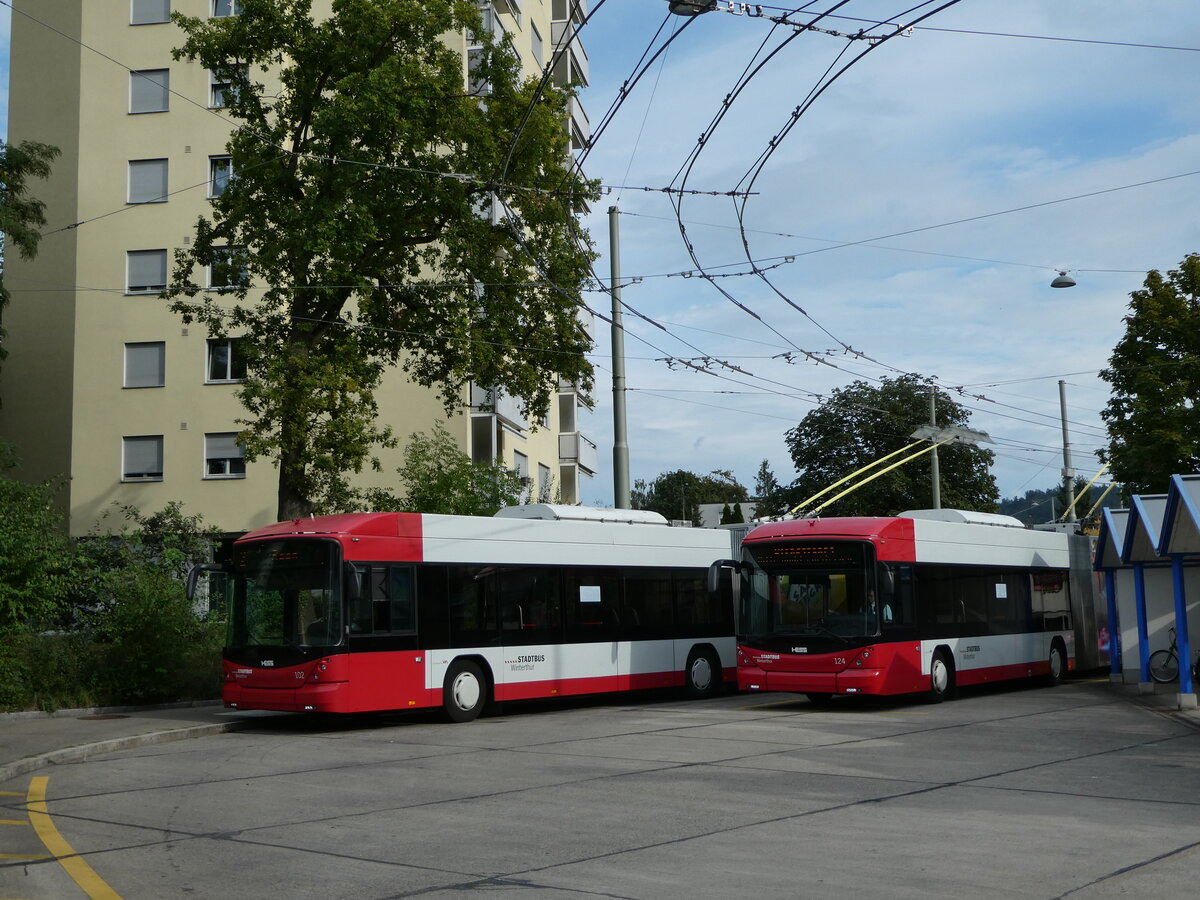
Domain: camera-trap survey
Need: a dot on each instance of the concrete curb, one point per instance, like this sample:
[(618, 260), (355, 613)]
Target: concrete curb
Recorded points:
[(129, 742), (105, 710)]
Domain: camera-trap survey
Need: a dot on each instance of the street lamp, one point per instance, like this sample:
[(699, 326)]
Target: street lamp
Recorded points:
[(691, 7), (1063, 281)]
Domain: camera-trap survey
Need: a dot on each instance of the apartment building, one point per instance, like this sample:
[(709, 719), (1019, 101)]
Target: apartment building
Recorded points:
[(103, 384)]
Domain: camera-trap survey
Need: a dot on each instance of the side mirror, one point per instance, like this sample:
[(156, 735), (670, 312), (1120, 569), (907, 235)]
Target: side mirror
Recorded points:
[(193, 577), (714, 573)]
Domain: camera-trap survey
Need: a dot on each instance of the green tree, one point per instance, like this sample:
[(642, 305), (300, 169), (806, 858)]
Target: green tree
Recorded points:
[(678, 494), (440, 478), (20, 214), (1152, 416), (862, 423), (37, 559), (770, 497), (393, 218)]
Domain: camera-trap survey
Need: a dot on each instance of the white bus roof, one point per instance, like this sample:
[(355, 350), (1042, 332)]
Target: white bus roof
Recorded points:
[(962, 516), (558, 512)]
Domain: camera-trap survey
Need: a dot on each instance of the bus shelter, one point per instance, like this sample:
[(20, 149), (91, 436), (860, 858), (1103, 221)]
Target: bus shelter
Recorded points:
[(1119, 597), (1150, 557), (1180, 543)]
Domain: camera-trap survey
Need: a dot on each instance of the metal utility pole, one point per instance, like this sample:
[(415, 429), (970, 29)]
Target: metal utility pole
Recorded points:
[(933, 457), (620, 438), (1068, 472)]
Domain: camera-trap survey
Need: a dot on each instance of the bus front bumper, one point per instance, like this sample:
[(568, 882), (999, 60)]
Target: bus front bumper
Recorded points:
[(847, 681)]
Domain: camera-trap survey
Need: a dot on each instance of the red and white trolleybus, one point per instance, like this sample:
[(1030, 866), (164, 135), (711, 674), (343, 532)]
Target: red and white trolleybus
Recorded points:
[(925, 601), (383, 611)]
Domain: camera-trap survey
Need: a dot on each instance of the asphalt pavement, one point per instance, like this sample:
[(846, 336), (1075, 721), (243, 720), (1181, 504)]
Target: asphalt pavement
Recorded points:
[(34, 740)]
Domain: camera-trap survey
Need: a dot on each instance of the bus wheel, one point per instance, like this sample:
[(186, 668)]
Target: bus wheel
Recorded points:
[(702, 677), (464, 692), (941, 677), (1058, 664)]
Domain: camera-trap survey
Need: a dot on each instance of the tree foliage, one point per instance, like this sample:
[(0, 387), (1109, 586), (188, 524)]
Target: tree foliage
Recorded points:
[(440, 478), (771, 498), (862, 423), (678, 494), (37, 559), (364, 180), (20, 214), (1152, 417)]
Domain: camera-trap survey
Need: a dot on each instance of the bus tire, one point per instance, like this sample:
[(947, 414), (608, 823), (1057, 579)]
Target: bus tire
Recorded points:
[(464, 692), (703, 675), (941, 676), (1058, 664)]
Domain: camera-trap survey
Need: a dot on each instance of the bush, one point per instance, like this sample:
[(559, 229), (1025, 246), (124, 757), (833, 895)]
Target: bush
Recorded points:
[(153, 647), (127, 633)]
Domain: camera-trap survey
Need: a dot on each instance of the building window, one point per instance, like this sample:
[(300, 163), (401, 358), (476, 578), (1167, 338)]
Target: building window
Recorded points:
[(228, 270), (223, 456), (220, 172), (477, 86), (535, 44), (226, 361), (142, 458), (147, 181), (149, 12), (149, 91), (146, 364), (544, 484), (145, 271), (223, 8), (220, 90)]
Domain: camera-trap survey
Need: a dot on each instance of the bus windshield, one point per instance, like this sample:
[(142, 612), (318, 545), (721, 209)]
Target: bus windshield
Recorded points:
[(824, 588), (286, 594)]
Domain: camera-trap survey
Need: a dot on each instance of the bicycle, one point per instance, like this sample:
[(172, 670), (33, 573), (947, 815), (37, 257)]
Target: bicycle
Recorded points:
[(1164, 664)]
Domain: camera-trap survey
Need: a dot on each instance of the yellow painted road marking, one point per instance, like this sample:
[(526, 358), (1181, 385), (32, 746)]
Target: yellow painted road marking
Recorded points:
[(11, 794), (14, 821), (74, 864), (24, 856)]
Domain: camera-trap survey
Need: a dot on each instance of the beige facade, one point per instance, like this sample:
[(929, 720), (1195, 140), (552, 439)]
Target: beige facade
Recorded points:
[(104, 385)]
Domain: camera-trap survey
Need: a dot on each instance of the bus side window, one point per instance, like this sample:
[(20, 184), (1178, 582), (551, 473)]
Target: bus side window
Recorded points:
[(592, 602), (401, 614), (896, 599), (472, 598), (360, 608)]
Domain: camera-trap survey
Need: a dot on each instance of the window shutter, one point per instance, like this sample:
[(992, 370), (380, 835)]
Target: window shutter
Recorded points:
[(148, 90), (222, 446), (143, 456), (150, 12), (145, 365), (147, 180), (147, 270)]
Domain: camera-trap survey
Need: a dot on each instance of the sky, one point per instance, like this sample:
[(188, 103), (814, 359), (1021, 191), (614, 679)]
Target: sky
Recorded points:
[(944, 125), (908, 221)]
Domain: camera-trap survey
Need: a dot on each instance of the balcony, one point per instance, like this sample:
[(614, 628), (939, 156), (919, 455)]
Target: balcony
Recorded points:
[(510, 7), (572, 65), (494, 401), (578, 127), (575, 448)]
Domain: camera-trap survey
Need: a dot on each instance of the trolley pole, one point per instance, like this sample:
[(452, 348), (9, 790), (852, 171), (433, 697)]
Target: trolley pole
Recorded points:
[(620, 437)]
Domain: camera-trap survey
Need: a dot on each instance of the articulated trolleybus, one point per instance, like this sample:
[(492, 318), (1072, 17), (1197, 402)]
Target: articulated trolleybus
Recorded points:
[(384, 611), (925, 601)]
